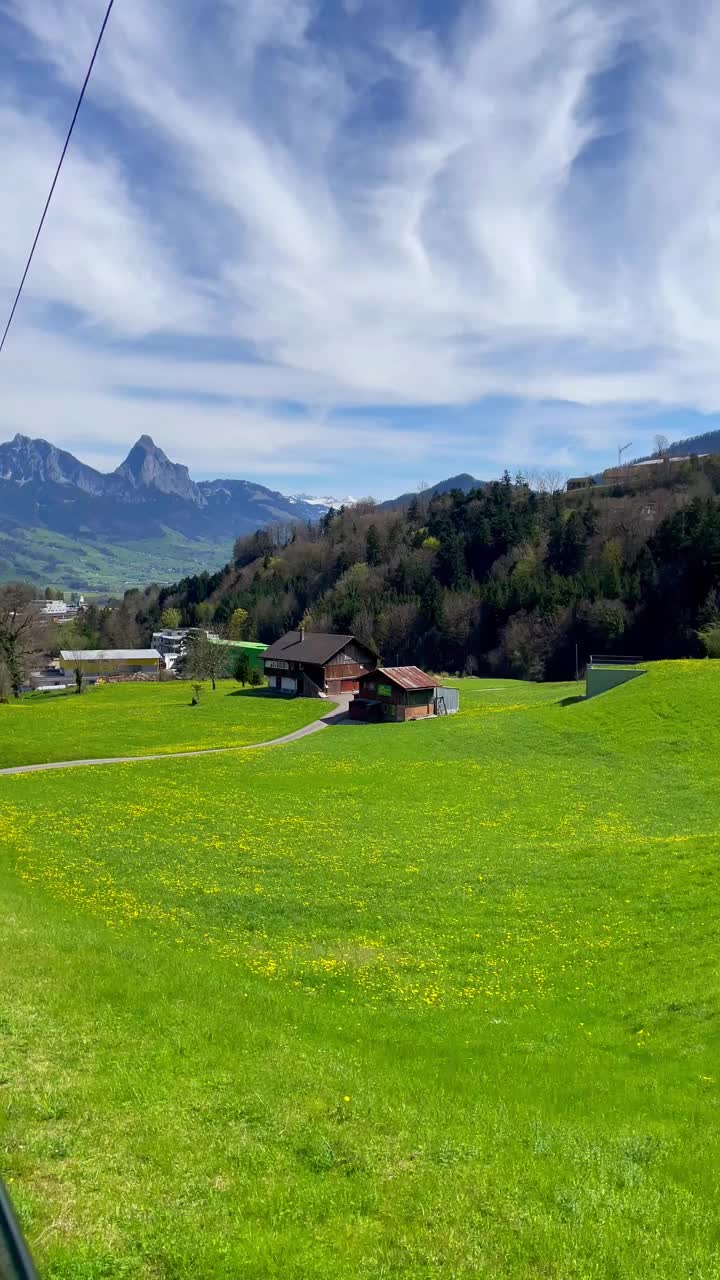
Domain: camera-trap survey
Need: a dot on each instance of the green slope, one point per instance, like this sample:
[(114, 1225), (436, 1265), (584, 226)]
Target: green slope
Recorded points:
[(101, 565), (428, 1000)]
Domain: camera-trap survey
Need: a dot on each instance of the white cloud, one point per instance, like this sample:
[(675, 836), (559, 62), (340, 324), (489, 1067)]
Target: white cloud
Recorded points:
[(469, 241)]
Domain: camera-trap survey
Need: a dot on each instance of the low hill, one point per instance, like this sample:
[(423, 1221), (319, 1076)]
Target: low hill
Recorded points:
[(463, 483), (706, 443)]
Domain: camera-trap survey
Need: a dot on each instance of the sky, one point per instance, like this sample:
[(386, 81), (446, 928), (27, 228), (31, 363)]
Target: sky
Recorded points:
[(351, 246)]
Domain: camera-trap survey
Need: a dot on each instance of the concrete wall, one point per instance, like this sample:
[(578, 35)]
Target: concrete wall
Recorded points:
[(602, 679)]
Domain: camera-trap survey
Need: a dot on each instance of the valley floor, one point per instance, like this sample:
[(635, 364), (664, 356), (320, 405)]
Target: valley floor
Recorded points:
[(424, 1000)]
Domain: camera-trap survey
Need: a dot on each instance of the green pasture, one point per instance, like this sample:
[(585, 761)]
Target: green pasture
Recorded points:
[(139, 719), (426, 1000)]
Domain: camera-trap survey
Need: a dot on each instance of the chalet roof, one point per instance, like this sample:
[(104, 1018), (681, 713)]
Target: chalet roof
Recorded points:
[(311, 646), (406, 677), (106, 655)]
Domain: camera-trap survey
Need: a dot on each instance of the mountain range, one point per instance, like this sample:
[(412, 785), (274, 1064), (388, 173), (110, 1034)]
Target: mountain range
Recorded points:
[(66, 524)]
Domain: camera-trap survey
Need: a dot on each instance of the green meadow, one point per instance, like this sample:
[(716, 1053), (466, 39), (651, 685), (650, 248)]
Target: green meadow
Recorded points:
[(424, 1000), (141, 719)]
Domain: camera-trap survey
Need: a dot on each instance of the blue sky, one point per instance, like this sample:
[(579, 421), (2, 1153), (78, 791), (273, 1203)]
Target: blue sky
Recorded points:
[(347, 246)]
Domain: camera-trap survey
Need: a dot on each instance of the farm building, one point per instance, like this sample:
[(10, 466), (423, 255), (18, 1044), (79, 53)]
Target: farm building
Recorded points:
[(315, 664), (96, 663), (400, 693)]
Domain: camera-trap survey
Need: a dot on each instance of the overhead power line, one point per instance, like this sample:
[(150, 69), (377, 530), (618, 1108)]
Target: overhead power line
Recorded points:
[(57, 173)]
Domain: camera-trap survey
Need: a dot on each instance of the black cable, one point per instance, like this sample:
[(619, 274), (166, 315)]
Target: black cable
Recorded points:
[(57, 172), (15, 1261)]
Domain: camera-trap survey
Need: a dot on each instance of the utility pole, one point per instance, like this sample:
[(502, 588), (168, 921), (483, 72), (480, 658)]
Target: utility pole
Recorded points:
[(621, 452)]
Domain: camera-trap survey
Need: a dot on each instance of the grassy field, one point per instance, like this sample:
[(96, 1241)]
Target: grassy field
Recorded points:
[(140, 719), (427, 1000)]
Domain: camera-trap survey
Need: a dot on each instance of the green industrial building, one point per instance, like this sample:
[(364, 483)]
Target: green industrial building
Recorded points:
[(252, 648)]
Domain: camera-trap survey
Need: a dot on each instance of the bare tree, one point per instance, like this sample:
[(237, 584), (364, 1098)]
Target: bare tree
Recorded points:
[(207, 659), (22, 631), (546, 479), (5, 684), (662, 444), (74, 660)]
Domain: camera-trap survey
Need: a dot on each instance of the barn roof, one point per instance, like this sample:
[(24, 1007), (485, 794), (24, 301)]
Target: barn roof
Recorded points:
[(407, 677), (311, 646)]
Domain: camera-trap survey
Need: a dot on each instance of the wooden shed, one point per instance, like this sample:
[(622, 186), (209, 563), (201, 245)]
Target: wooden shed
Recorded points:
[(395, 694)]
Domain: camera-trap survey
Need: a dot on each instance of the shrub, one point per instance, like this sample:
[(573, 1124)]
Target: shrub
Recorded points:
[(709, 638)]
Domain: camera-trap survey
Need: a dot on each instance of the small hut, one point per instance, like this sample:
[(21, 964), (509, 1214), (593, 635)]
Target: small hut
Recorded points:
[(395, 694)]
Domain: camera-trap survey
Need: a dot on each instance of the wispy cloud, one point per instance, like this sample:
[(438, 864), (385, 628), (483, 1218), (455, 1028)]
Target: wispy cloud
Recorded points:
[(388, 211)]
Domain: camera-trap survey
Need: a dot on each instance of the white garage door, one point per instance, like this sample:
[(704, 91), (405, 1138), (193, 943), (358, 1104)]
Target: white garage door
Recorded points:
[(289, 684)]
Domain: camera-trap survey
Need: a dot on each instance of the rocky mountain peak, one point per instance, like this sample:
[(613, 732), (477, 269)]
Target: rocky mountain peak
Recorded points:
[(25, 461), (147, 467)]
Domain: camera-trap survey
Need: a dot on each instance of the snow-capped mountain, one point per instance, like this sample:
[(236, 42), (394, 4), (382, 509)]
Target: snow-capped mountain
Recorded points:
[(325, 502)]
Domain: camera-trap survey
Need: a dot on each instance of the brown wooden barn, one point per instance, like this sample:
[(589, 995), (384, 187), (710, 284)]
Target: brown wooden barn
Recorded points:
[(396, 694), (314, 664)]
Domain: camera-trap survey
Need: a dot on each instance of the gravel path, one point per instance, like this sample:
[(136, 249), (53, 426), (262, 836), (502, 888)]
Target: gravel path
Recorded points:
[(334, 716)]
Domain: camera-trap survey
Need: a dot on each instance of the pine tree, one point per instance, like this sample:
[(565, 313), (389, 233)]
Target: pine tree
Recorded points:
[(242, 668), (373, 549)]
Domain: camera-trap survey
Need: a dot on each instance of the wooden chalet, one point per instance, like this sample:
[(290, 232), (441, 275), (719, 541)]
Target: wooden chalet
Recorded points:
[(315, 664), (396, 694)]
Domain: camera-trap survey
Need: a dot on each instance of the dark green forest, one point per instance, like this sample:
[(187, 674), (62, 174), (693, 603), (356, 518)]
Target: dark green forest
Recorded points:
[(503, 580)]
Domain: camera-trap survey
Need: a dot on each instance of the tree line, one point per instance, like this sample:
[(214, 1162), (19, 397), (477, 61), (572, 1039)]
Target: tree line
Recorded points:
[(506, 580)]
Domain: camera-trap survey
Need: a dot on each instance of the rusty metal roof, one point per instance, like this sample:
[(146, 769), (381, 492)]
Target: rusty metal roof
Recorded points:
[(407, 677)]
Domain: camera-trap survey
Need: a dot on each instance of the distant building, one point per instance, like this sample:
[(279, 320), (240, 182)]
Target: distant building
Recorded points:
[(97, 663), (580, 482), (56, 610), (172, 643), (52, 607), (634, 470), (398, 694), (317, 664)]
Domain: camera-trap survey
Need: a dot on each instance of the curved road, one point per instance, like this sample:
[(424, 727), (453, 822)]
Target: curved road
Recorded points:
[(336, 715)]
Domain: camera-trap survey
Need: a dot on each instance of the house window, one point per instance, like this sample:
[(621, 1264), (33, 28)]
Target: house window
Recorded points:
[(384, 690)]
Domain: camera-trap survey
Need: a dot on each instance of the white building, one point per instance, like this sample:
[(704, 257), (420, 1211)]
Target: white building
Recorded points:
[(173, 642), (54, 608)]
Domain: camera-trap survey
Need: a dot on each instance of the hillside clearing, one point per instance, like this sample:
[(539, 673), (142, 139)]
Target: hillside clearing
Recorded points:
[(405, 1001)]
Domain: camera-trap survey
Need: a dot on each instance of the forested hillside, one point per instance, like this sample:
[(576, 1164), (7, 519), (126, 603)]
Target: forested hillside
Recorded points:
[(504, 579)]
